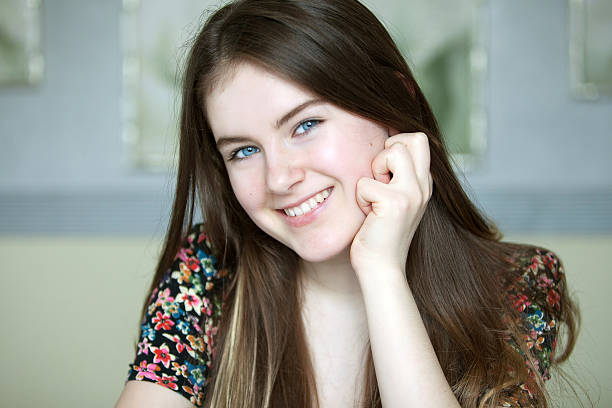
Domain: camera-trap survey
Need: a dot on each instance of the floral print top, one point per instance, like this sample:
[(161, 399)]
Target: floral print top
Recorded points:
[(176, 344)]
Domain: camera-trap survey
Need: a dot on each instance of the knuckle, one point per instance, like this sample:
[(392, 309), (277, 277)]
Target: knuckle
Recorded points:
[(388, 141), (365, 182), (400, 206), (398, 147), (422, 138), (395, 140), (400, 202)]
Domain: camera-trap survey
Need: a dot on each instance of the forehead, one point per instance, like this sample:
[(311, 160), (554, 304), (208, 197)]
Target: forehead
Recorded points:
[(248, 93)]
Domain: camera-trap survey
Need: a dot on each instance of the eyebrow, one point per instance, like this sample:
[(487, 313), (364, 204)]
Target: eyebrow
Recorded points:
[(227, 140), (296, 110)]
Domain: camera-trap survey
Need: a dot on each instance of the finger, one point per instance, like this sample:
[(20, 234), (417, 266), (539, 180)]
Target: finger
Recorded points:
[(368, 191), (418, 147), (379, 168), (393, 165)]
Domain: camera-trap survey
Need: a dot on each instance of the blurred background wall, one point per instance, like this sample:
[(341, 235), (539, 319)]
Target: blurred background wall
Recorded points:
[(80, 228)]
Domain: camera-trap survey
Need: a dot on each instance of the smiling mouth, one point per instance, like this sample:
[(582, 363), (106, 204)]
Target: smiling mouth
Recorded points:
[(308, 205)]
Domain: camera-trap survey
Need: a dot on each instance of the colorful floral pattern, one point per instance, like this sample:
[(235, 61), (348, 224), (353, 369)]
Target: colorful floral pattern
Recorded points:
[(535, 295), (176, 344), (172, 351)]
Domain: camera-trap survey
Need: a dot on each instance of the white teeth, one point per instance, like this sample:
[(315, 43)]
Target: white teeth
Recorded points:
[(307, 205)]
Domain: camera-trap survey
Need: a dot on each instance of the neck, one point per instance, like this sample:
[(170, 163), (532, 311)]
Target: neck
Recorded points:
[(333, 279), (332, 301)]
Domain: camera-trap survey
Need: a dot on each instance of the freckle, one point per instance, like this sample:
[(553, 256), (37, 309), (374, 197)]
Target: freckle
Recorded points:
[(371, 144)]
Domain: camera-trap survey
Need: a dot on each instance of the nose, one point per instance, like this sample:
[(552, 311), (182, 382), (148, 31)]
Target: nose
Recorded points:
[(283, 170)]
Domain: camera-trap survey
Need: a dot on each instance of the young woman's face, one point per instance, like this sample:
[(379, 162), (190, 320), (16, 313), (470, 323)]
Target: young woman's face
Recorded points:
[(293, 160)]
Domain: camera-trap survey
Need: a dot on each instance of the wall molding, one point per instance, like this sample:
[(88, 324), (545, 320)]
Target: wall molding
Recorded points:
[(585, 211), (116, 213), (136, 213)]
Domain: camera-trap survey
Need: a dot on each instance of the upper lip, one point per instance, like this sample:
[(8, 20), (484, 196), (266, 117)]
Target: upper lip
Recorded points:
[(299, 202)]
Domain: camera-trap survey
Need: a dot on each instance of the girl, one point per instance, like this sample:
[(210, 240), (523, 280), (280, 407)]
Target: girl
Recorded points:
[(339, 262)]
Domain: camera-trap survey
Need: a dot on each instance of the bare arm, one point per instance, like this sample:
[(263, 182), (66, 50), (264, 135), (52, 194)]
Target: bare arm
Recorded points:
[(144, 394), (407, 369)]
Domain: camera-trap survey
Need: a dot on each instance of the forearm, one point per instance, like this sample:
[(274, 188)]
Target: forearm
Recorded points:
[(407, 369)]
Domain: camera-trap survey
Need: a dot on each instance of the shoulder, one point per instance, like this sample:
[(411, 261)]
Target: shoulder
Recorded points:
[(195, 280), (535, 293), (176, 344), (197, 249), (539, 279)]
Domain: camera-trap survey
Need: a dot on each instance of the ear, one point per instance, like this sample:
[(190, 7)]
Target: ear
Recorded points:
[(408, 83), (392, 131)]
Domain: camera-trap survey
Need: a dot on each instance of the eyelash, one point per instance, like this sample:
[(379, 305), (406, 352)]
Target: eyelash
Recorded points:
[(233, 153)]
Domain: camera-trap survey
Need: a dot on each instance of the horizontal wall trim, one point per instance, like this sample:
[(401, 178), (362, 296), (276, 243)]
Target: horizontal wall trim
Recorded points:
[(123, 213), (588, 211), (549, 211)]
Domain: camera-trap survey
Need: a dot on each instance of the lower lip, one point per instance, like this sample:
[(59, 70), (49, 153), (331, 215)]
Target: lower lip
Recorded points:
[(302, 220)]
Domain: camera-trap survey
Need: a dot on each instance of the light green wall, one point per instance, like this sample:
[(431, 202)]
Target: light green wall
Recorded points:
[(70, 315)]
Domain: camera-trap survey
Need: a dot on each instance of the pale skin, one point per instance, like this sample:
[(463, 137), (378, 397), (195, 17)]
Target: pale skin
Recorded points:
[(353, 250)]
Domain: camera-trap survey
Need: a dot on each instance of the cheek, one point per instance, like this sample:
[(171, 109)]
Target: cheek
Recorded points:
[(248, 192), (350, 157)]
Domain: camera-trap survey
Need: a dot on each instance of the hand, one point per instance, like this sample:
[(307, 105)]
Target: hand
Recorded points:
[(394, 203)]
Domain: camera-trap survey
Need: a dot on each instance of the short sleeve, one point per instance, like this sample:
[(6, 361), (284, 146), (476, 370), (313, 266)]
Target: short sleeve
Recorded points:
[(176, 342), (535, 295)]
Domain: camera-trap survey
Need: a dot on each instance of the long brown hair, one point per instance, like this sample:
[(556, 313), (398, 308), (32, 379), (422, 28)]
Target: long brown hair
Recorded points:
[(339, 50)]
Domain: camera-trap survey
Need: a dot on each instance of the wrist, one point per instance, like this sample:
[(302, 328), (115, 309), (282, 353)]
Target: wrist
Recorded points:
[(380, 276)]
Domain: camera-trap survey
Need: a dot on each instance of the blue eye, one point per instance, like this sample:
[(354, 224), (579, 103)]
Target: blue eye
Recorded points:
[(244, 152), (306, 126)]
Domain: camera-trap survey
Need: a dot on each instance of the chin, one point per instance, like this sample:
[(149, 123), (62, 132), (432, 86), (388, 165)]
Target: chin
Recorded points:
[(335, 247), (324, 257)]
